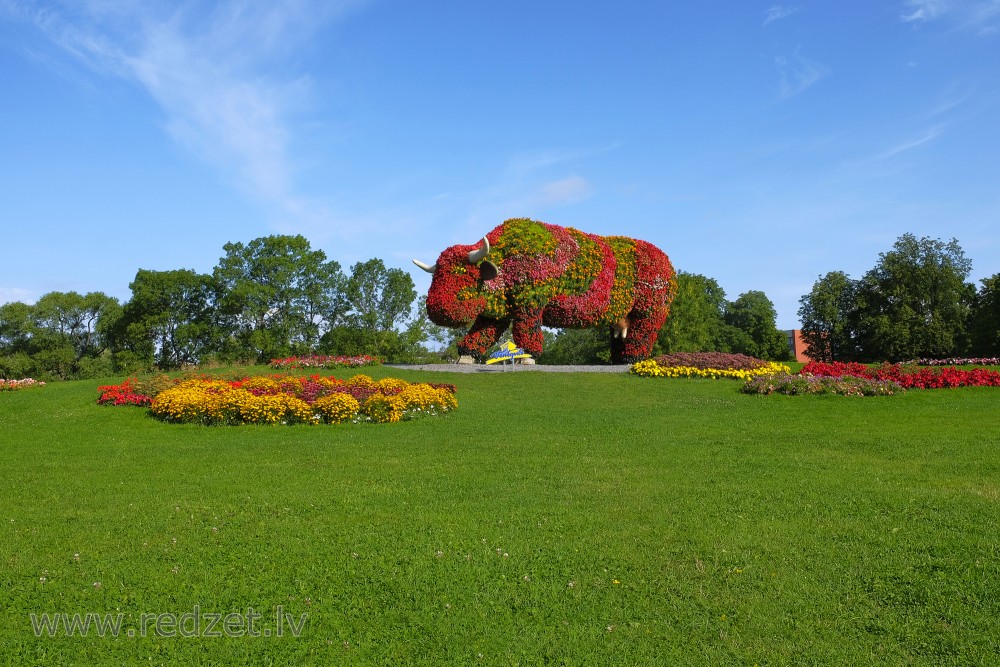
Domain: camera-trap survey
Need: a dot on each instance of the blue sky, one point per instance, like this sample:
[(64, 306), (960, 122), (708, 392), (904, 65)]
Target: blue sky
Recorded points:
[(759, 144)]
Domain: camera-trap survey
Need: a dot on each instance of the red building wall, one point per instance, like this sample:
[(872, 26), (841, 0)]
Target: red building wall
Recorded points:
[(798, 346)]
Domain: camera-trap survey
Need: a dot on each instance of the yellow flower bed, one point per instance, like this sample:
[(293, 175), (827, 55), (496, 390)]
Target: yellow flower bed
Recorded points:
[(426, 398), (649, 368), (290, 400)]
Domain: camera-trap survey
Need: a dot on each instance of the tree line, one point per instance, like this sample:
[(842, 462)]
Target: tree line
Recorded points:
[(916, 302), (273, 297)]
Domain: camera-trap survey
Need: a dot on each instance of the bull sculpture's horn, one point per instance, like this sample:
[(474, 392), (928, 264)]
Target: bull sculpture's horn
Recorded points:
[(476, 256), (429, 269)]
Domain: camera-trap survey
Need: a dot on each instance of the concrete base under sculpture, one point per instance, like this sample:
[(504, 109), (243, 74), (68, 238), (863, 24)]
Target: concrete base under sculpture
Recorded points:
[(468, 359)]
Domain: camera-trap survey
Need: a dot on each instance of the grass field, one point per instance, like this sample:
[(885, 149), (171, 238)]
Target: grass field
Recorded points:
[(577, 519)]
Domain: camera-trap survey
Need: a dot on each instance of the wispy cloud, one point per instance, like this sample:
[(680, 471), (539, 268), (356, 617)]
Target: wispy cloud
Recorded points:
[(910, 143), (978, 16), (531, 184), (796, 74), (923, 10), (982, 17), (778, 12), (218, 75)]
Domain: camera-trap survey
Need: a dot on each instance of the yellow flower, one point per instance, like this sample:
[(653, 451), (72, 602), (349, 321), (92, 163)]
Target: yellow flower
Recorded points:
[(337, 408), (381, 408)]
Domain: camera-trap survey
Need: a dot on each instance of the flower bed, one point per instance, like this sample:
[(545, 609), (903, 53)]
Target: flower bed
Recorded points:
[(122, 394), (977, 361), (796, 385), (138, 391), (325, 361), (707, 364), (14, 385), (280, 399), (908, 376), (719, 360)]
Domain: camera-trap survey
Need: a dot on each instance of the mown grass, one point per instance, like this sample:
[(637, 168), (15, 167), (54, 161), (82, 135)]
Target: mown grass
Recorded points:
[(576, 519)]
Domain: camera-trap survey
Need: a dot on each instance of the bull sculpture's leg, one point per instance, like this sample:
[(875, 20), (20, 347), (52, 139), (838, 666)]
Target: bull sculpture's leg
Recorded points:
[(483, 335), (638, 344), (527, 331)]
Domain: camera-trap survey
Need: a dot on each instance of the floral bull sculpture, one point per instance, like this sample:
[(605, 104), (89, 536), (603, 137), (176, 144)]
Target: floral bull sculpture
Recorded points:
[(529, 274)]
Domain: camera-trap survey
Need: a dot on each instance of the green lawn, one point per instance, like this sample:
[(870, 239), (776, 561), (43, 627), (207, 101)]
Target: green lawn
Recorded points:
[(578, 519)]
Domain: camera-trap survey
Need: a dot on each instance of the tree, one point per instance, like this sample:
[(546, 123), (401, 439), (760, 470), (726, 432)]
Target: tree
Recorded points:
[(829, 318), (578, 347), (754, 316), (170, 317), (276, 296), (16, 328), (985, 321), (379, 302), (915, 301), (379, 298), (696, 320), (72, 331)]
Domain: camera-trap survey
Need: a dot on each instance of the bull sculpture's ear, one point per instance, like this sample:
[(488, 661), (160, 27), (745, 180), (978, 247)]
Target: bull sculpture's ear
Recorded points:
[(488, 270)]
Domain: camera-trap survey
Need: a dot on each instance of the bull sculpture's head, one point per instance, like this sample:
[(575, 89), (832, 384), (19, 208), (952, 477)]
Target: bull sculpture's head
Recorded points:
[(455, 297)]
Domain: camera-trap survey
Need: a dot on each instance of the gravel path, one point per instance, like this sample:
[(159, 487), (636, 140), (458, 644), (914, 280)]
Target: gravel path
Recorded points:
[(508, 368)]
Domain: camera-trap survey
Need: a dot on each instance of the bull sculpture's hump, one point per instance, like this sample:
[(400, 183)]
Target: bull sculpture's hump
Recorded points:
[(526, 274)]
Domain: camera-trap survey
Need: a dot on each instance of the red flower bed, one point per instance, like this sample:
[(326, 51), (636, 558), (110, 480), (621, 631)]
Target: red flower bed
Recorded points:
[(907, 376), (123, 394)]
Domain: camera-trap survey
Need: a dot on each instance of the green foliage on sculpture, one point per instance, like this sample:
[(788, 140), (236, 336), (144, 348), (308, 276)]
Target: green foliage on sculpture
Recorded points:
[(527, 274)]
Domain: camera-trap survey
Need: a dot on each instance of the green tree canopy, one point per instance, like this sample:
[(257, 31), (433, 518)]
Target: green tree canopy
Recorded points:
[(379, 298), (915, 301), (696, 320), (170, 317), (986, 318), (16, 328), (829, 318), (276, 296), (68, 333), (578, 347), (378, 303), (754, 316)]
